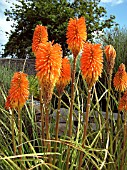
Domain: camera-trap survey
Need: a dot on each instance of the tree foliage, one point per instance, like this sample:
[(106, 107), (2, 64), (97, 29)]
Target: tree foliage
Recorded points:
[(54, 14), (118, 38)]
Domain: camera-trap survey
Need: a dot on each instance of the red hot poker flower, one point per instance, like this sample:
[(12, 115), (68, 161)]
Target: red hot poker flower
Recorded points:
[(91, 62), (123, 103), (110, 57), (76, 35), (18, 93), (120, 79), (110, 52), (48, 65), (40, 36), (65, 75)]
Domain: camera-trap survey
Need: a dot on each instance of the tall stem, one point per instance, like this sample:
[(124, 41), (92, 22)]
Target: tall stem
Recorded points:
[(47, 129), (20, 130), (85, 126), (13, 133), (42, 118), (108, 100), (71, 108), (24, 64), (107, 114), (57, 125), (118, 118), (118, 123), (98, 108), (72, 96), (124, 141)]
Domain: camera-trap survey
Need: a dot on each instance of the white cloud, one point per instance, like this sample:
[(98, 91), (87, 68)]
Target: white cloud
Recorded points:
[(5, 26), (4, 3), (113, 2)]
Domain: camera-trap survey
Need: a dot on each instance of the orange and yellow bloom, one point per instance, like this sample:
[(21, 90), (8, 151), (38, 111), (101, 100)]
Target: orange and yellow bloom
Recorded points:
[(123, 102), (40, 36), (91, 62), (48, 65), (65, 75), (110, 52), (18, 93), (76, 35), (110, 57), (120, 79)]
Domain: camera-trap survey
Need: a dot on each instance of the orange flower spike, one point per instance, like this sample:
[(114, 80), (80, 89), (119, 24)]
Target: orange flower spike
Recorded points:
[(91, 62), (48, 62), (65, 75), (120, 79), (40, 36), (110, 52), (123, 102), (48, 65), (110, 57), (76, 35), (18, 93)]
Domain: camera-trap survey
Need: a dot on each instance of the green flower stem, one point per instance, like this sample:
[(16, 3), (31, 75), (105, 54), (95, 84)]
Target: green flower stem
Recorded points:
[(68, 156), (98, 108), (24, 64), (124, 141), (118, 124), (107, 113), (20, 130), (108, 101), (72, 96), (71, 109), (118, 118), (13, 133), (57, 125), (47, 129), (42, 119), (85, 127)]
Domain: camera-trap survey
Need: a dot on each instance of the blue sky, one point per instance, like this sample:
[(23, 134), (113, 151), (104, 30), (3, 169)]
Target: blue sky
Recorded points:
[(113, 7), (117, 8)]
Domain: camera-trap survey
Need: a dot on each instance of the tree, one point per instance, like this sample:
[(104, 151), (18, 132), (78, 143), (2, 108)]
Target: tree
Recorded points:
[(118, 38), (54, 14)]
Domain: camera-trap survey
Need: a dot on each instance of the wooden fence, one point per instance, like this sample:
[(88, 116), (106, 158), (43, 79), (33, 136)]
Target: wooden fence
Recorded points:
[(17, 65)]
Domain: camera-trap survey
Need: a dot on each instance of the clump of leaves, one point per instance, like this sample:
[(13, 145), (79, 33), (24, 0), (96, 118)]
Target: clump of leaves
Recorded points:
[(117, 37), (33, 86)]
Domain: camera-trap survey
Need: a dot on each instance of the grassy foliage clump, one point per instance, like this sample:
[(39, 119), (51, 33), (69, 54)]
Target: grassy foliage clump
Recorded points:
[(103, 146)]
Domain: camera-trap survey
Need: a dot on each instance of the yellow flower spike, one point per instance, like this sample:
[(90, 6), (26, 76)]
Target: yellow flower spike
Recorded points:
[(91, 62), (120, 79), (110, 57), (123, 102), (76, 35), (48, 65), (65, 75), (40, 36), (18, 93)]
